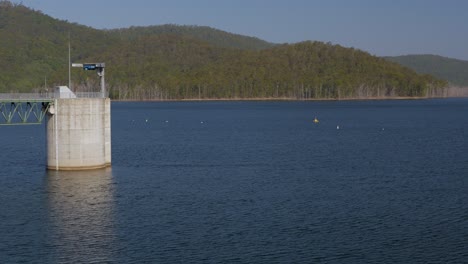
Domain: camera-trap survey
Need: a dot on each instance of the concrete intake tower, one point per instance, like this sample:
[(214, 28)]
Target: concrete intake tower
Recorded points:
[(79, 129), (78, 133), (78, 125)]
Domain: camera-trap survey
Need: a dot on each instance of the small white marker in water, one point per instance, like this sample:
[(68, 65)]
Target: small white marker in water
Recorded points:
[(167, 121), (146, 120), (337, 127), (201, 122)]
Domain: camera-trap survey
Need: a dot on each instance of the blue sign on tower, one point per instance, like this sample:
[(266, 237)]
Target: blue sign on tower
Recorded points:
[(89, 67)]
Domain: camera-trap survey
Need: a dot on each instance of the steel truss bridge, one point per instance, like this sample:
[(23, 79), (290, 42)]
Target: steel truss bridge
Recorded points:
[(30, 108)]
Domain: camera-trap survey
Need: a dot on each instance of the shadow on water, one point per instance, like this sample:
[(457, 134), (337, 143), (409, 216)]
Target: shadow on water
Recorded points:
[(81, 215)]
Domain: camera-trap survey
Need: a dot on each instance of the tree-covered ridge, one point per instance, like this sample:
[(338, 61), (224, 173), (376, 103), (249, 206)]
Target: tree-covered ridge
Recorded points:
[(213, 36), (34, 46), (453, 70), (183, 62), (184, 68)]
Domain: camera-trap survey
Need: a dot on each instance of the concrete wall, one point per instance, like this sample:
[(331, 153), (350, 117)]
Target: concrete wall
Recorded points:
[(107, 131), (78, 134)]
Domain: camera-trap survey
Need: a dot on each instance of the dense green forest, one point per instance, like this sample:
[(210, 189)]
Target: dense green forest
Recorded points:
[(453, 70), (185, 68), (213, 36), (191, 62)]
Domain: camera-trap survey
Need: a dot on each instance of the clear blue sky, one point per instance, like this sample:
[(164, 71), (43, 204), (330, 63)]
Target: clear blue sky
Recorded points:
[(381, 27)]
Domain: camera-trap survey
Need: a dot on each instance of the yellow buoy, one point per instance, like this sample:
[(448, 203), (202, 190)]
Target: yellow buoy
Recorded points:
[(316, 120)]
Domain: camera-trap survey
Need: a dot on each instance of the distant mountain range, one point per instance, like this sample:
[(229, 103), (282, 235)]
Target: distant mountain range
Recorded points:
[(192, 62), (453, 70)]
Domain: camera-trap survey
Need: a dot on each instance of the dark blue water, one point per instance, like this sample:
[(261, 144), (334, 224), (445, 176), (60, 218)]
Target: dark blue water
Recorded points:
[(248, 182)]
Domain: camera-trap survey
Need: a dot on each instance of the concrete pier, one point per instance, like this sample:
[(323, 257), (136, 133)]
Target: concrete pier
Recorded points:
[(79, 134)]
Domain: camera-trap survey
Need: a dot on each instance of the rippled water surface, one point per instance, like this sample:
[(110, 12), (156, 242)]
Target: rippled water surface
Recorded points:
[(248, 182)]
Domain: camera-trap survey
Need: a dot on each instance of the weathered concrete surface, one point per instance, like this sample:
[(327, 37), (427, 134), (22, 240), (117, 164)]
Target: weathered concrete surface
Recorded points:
[(79, 134), (107, 131)]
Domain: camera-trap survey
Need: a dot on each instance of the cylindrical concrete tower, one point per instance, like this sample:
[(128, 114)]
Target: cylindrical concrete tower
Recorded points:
[(79, 134)]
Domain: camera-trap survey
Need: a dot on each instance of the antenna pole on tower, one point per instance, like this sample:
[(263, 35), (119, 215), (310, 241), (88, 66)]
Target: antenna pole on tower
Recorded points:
[(69, 63)]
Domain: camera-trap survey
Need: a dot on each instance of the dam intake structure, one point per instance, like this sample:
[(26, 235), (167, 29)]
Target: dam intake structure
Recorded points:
[(78, 134), (78, 125)]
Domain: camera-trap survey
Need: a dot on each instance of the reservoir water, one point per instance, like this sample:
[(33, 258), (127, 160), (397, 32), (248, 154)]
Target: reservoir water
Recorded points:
[(248, 182)]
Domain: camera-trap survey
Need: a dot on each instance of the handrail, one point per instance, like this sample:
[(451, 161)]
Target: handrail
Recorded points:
[(49, 96)]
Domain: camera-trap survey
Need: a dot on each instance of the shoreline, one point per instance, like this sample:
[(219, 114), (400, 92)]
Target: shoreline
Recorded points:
[(284, 99)]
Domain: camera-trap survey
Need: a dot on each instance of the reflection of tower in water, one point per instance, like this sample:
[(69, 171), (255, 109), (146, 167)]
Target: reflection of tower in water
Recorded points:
[(81, 215)]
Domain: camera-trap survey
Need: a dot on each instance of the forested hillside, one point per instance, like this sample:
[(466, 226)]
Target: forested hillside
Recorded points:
[(185, 68), (453, 70), (185, 62), (34, 46), (213, 36)]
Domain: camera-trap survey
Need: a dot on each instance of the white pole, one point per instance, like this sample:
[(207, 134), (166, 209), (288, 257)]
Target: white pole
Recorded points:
[(103, 83), (69, 63)]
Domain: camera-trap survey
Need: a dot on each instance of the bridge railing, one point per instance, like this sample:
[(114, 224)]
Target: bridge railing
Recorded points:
[(25, 96), (91, 95), (49, 96)]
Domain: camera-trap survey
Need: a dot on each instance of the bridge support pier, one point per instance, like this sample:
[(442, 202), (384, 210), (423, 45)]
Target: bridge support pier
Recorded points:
[(79, 134)]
